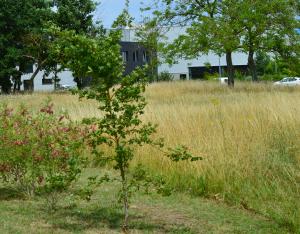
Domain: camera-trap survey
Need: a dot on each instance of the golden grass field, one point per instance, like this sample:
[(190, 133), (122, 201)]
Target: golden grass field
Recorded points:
[(249, 138)]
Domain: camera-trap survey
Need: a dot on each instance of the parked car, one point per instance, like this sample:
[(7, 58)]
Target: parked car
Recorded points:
[(288, 81), (66, 87), (223, 80)]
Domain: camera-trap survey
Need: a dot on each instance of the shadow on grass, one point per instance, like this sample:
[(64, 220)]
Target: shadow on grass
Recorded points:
[(106, 219), (7, 194)]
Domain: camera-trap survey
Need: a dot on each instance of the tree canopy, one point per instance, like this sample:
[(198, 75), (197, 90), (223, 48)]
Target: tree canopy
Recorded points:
[(227, 26), (23, 37), (18, 19)]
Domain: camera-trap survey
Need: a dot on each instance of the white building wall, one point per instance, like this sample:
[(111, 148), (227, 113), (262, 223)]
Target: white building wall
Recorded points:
[(66, 78), (182, 65)]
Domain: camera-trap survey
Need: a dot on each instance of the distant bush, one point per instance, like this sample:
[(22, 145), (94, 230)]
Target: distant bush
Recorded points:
[(165, 76), (271, 77), (39, 152), (209, 76), (239, 75)]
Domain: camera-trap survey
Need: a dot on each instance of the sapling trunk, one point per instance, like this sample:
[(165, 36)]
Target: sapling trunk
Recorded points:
[(125, 199)]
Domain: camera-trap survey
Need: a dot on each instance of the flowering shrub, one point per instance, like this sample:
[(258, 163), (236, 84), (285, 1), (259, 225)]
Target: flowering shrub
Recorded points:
[(41, 151)]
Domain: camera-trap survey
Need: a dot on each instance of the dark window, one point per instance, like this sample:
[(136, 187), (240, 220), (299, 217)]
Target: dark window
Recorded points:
[(47, 81), (182, 76), (29, 68), (26, 67), (125, 56), (145, 57), (135, 56)]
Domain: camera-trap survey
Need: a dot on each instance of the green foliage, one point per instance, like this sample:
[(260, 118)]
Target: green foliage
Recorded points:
[(262, 61), (212, 27), (165, 76), (39, 152), (18, 19), (209, 76), (98, 57), (121, 127), (239, 75), (181, 153), (23, 39), (276, 68), (149, 34), (268, 26), (289, 66), (224, 27), (124, 19), (75, 15), (120, 100)]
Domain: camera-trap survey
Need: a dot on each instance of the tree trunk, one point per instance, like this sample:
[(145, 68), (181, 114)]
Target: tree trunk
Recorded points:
[(125, 200), (5, 84), (17, 83), (31, 81), (35, 73), (252, 66), (230, 69), (78, 82), (56, 80)]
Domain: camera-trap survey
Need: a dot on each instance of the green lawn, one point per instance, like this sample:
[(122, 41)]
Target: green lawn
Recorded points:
[(152, 213)]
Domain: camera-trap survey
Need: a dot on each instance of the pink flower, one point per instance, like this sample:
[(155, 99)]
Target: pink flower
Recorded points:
[(48, 109), (19, 142), (55, 153), (65, 129)]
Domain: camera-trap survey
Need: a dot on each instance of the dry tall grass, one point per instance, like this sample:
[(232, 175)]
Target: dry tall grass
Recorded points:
[(249, 138)]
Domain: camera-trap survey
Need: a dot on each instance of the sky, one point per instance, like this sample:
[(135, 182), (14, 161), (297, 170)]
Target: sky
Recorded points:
[(108, 10)]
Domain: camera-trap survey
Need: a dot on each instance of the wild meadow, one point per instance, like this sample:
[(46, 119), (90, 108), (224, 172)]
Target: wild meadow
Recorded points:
[(248, 137)]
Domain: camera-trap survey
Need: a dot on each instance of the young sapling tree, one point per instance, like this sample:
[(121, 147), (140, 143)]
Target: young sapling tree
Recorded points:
[(121, 102)]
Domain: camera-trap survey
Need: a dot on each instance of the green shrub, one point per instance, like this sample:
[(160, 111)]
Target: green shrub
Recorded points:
[(39, 152), (209, 76), (165, 76), (271, 77)]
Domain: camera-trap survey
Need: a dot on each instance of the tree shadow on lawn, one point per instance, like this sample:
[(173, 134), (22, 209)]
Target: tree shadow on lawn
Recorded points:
[(9, 193), (108, 219)]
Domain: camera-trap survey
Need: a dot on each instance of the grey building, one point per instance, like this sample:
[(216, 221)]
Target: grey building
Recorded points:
[(133, 55), (193, 68)]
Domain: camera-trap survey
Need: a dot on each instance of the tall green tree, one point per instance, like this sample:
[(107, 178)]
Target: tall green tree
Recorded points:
[(75, 15), (268, 26), (226, 26), (23, 37), (17, 19), (212, 26)]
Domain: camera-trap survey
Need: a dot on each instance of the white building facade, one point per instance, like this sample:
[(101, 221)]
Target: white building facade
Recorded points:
[(180, 70), (47, 84), (182, 67)]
